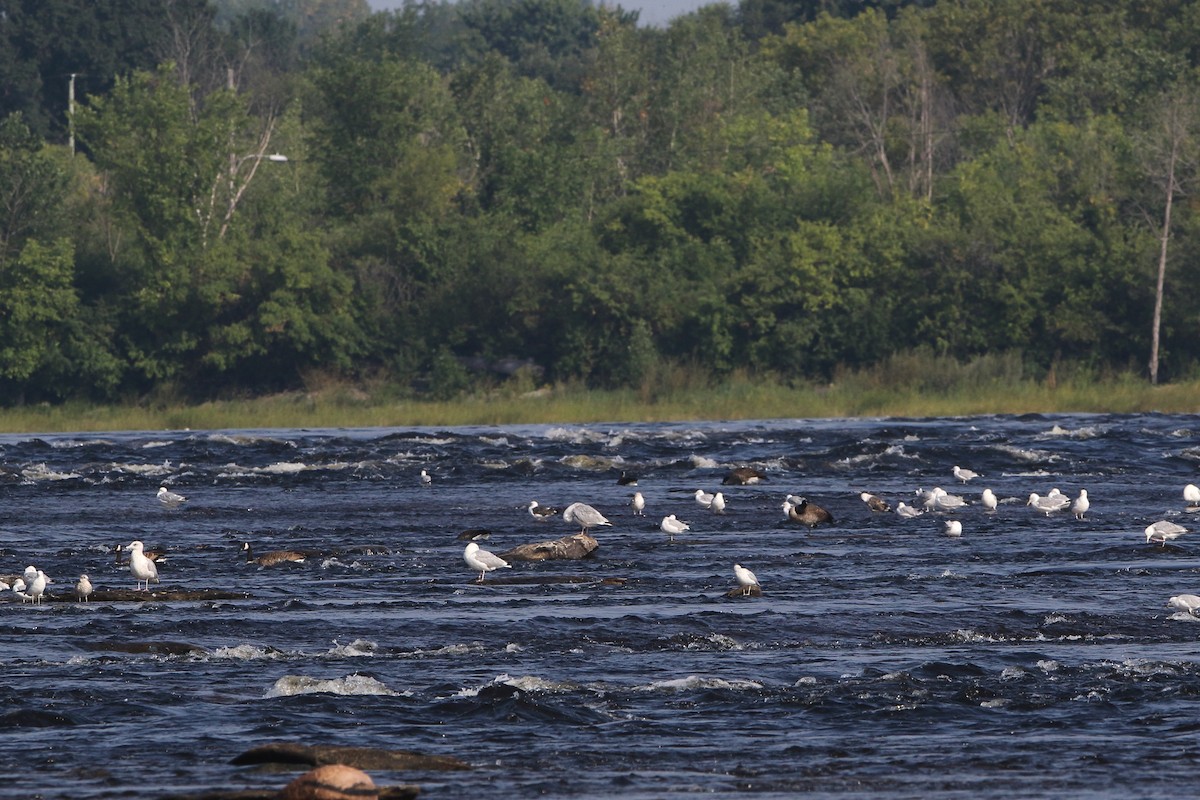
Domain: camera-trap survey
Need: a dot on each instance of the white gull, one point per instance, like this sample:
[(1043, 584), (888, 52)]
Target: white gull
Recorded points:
[(143, 568), (1185, 602), (1081, 504), (169, 498), (745, 578), (672, 526), (1163, 531), (585, 516), (483, 560), (964, 475)]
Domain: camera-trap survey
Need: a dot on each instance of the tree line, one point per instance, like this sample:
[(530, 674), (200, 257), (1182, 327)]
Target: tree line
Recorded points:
[(246, 196)]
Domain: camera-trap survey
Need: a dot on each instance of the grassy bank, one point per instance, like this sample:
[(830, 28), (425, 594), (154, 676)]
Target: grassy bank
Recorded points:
[(862, 394)]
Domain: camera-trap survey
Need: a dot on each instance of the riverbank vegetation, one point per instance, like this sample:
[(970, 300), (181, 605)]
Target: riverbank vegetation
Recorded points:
[(470, 210), (904, 386)]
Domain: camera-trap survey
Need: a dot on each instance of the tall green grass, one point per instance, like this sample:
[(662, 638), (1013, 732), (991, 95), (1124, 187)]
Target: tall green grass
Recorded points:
[(911, 385)]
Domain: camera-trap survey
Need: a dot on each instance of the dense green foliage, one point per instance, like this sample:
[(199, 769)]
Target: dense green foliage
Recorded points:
[(485, 188)]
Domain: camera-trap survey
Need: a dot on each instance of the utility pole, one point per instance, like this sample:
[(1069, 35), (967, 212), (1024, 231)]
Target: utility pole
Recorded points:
[(71, 113)]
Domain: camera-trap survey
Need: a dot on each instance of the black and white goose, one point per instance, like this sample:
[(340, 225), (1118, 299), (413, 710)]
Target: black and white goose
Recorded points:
[(274, 557)]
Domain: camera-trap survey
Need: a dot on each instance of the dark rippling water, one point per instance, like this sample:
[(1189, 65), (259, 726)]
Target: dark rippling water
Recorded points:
[(1032, 657)]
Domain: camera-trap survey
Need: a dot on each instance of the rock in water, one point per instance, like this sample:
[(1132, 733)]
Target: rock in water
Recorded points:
[(576, 546), (331, 782)]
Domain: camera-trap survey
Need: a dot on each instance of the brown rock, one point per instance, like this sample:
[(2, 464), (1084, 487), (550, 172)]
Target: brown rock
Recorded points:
[(331, 782), (576, 546), (738, 592)]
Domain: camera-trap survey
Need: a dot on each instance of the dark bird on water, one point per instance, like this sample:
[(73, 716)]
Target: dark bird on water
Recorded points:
[(875, 502), (627, 479), (743, 476), (540, 512), (474, 535), (272, 558), (806, 513)]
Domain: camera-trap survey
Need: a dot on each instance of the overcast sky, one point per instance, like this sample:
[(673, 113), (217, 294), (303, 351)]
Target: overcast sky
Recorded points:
[(651, 12)]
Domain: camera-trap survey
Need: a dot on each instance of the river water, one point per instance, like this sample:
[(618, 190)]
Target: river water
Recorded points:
[(1034, 656)]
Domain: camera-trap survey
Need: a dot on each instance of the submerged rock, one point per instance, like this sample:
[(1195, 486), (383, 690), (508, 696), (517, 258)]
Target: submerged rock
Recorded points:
[(575, 546), (152, 648), (166, 593), (738, 592), (286, 754)]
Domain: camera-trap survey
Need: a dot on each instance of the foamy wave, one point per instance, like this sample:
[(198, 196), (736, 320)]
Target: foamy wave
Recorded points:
[(574, 435), (702, 462), (359, 647), (692, 682), (247, 439), (1058, 432), (1023, 454), (581, 461), (292, 685), (247, 652), (66, 444), (144, 469), (718, 641), (449, 650), (532, 683), (967, 635), (40, 472)]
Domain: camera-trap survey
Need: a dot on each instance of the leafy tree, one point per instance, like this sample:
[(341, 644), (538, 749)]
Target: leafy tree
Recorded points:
[(44, 42), (32, 187), (36, 303)]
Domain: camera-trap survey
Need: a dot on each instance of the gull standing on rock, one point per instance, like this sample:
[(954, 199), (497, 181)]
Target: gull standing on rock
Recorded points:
[(953, 527), (1191, 496), (1081, 504), (944, 501), (745, 579), (585, 516), (143, 569), (717, 506), (83, 588), (38, 587), (1185, 602), (988, 499), (672, 526), (483, 560), (1049, 504), (964, 475), (426, 478), (703, 498), (639, 504)]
